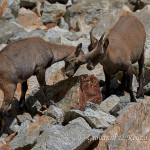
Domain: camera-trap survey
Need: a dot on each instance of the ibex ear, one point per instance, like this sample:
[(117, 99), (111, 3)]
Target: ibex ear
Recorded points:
[(106, 43), (78, 49)]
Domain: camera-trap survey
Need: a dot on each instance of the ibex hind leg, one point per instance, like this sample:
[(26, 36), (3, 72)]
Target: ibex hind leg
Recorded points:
[(140, 92), (129, 78), (9, 90), (22, 105)]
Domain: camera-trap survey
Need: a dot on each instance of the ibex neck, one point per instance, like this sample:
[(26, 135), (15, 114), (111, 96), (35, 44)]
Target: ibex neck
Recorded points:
[(60, 52)]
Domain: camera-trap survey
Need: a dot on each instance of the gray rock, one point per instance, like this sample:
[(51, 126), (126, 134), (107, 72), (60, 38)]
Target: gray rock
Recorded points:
[(63, 24), (52, 12), (24, 117), (96, 119), (14, 124), (147, 89), (92, 106), (2, 46), (110, 105), (55, 112), (23, 127), (54, 34), (76, 135)]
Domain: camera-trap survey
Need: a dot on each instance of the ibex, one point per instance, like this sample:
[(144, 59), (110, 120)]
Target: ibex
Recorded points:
[(122, 47), (22, 59)]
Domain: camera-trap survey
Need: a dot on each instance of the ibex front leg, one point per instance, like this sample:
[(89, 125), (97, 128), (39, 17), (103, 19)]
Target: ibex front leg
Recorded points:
[(9, 90)]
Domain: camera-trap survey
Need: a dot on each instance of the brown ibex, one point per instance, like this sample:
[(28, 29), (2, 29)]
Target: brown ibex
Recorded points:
[(22, 59), (122, 47)]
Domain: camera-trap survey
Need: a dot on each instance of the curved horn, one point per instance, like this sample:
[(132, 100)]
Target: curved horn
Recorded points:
[(92, 38), (101, 39), (92, 54)]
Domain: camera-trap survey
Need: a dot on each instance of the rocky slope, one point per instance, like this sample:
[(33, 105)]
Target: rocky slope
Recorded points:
[(80, 118)]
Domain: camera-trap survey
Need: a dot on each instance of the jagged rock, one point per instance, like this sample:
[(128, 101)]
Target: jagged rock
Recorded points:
[(110, 105), (28, 18), (76, 134), (131, 129), (147, 89), (13, 124), (9, 9), (96, 119), (55, 112), (2, 142), (63, 24), (89, 11), (24, 117), (24, 126), (92, 106), (28, 139), (53, 12), (54, 34)]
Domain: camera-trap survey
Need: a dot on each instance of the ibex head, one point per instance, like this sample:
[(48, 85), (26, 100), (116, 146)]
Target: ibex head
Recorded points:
[(73, 62), (100, 45)]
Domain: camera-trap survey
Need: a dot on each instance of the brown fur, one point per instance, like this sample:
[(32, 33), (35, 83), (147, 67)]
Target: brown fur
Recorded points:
[(22, 59), (122, 47)]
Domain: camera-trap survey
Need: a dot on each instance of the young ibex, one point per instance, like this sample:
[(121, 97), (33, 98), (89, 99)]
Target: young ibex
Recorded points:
[(22, 59), (122, 47)]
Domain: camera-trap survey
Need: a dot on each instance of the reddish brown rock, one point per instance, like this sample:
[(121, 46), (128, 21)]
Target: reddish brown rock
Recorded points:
[(3, 7), (10, 138), (50, 25), (89, 91), (5, 147), (130, 131)]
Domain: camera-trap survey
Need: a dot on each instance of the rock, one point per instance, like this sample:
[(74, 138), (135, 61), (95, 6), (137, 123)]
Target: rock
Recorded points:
[(2, 46), (24, 117), (144, 16), (110, 105), (54, 34), (131, 129), (24, 126), (89, 11), (147, 89), (28, 139), (13, 124), (2, 141), (52, 12), (28, 18), (50, 25), (63, 24), (76, 135), (96, 119), (92, 106), (5, 147), (55, 112), (9, 9)]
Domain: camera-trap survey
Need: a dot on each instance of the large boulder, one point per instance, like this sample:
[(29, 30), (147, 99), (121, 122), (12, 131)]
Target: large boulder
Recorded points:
[(131, 129), (52, 13), (28, 18)]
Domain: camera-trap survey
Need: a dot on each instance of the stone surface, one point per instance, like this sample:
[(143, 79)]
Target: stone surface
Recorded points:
[(24, 117), (63, 24), (55, 112), (76, 135), (28, 18), (110, 105), (130, 131), (52, 12), (96, 119)]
